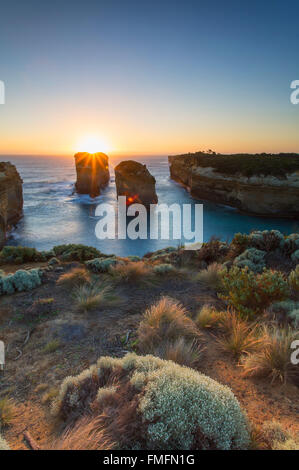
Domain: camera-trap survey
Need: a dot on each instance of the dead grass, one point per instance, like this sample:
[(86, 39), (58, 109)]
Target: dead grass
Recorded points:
[(6, 411), (165, 320), (75, 277), (274, 360)]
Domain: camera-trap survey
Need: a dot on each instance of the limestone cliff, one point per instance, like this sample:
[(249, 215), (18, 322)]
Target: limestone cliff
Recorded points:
[(11, 198), (257, 184), (92, 172), (134, 181)]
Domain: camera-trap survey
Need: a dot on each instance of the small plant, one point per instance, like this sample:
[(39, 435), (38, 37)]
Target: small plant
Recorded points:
[(132, 272), (274, 359), (73, 252), (51, 347), (208, 317), (3, 444), (75, 277), (273, 436), (211, 276), (213, 251), (20, 281), (253, 258), (6, 412), (251, 293), (21, 255), (165, 320), (164, 268), (183, 352), (89, 297), (239, 337), (294, 280), (102, 265)]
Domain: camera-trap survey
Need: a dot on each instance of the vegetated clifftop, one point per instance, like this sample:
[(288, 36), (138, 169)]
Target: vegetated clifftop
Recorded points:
[(261, 184), (11, 198), (134, 181), (92, 172)]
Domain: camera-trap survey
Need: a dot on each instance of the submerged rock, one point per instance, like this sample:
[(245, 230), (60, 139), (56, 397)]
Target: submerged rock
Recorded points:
[(262, 184), (134, 181), (11, 198), (92, 172)]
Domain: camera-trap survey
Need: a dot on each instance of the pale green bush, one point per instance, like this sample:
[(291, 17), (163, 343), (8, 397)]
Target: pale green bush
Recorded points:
[(164, 268), (174, 407), (20, 281), (102, 265), (295, 256), (253, 258), (268, 240)]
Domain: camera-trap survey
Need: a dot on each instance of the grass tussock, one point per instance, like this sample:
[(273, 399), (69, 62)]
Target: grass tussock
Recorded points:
[(211, 276), (90, 297), (75, 277), (132, 272), (239, 336), (183, 352), (272, 436), (165, 320), (208, 317), (6, 412), (273, 361)]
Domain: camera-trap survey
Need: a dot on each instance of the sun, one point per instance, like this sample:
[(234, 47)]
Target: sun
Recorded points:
[(92, 144)]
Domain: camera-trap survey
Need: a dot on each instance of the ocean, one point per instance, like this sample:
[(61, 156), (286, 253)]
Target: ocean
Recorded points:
[(54, 214)]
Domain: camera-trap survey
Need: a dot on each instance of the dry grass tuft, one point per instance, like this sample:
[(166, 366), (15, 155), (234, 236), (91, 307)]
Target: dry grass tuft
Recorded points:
[(6, 411), (132, 272), (181, 351), (90, 297), (274, 360), (75, 277), (211, 276), (239, 337), (166, 320), (208, 317)]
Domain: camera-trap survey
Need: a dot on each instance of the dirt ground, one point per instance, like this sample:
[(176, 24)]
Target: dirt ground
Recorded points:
[(43, 347)]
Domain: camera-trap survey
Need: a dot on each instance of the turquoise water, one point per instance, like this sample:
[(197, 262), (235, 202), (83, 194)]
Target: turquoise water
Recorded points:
[(54, 215)]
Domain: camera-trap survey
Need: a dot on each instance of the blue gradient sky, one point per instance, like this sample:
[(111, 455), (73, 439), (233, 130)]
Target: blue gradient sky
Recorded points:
[(149, 77)]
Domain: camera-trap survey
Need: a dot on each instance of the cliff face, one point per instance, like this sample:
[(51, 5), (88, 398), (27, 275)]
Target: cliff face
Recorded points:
[(11, 198), (267, 195), (133, 180), (92, 173)]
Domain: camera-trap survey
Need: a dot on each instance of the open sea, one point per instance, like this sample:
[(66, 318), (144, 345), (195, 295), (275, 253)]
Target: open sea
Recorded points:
[(54, 214)]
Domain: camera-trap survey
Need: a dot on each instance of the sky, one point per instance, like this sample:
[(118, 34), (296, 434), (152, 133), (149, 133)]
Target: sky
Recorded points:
[(149, 77)]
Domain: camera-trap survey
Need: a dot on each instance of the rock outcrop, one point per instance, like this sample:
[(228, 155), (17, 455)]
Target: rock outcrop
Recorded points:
[(134, 181), (92, 172), (11, 199), (256, 184)]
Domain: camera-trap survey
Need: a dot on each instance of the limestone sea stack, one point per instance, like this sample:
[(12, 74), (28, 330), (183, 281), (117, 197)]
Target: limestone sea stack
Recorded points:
[(92, 173), (11, 199), (261, 184), (134, 181)]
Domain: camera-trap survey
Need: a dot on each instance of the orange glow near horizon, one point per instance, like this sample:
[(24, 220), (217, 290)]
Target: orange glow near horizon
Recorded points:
[(92, 144)]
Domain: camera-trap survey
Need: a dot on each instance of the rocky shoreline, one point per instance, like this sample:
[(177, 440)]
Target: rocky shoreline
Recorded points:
[(268, 194), (11, 199)]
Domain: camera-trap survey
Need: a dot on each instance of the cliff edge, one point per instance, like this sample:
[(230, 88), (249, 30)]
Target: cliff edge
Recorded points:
[(261, 184), (11, 198)]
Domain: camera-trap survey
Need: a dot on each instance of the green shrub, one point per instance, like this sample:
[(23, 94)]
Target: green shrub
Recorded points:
[(102, 265), (21, 255), (251, 293), (287, 310), (20, 281), (294, 280), (253, 258), (295, 256), (268, 240), (74, 252), (157, 405)]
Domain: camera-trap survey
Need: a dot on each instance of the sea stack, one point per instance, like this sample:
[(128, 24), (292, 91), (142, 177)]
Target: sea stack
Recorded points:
[(134, 181), (92, 172), (11, 199)]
